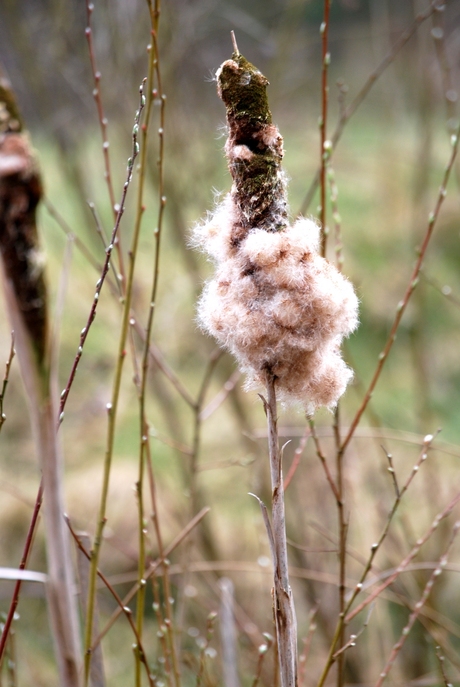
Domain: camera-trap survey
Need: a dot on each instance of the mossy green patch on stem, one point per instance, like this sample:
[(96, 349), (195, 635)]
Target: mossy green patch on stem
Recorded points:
[(254, 150), (242, 87)]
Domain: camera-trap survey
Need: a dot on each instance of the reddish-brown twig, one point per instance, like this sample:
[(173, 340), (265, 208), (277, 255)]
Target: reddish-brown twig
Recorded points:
[(349, 111), (297, 455), (5, 380), (152, 570), (263, 649), (322, 457), (402, 566), (440, 657), (418, 607), (22, 566), (123, 607), (103, 125), (106, 266), (402, 305)]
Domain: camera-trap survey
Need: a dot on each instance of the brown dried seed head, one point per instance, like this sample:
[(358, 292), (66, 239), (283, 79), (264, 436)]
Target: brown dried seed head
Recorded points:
[(274, 302), (20, 192)]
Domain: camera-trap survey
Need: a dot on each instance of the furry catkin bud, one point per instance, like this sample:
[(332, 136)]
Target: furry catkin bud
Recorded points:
[(20, 192), (274, 302)]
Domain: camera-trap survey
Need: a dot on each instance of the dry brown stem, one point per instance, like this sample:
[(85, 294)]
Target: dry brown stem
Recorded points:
[(285, 620)]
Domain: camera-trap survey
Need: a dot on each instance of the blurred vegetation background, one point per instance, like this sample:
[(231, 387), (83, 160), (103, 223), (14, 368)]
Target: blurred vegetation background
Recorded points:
[(388, 167)]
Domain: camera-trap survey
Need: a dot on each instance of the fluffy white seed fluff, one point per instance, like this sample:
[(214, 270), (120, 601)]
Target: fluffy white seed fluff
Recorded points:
[(276, 304)]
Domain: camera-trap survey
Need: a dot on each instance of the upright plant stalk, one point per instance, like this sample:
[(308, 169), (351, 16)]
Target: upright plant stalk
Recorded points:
[(323, 123), (26, 298), (342, 532), (113, 405), (348, 112), (285, 620), (103, 126), (254, 151), (413, 281), (144, 452)]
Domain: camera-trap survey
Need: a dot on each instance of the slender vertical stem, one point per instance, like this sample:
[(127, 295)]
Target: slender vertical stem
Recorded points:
[(349, 111), (170, 645), (342, 525), (26, 299), (145, 456), (97, 674), (140, 601), (286, 630), (413, 281), (228, 635), (342, 528), (323, 122), (60, 590), (5, 381), (113, 406), (103, 126)]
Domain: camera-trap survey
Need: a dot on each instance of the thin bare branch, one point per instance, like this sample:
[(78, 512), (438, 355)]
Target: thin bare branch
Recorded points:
[(417, 609), (348, 112), (413, 281), (5, 381)]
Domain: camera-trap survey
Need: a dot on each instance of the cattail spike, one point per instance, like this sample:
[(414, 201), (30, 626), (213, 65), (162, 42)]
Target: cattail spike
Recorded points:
[(20, 193), (274, 302)]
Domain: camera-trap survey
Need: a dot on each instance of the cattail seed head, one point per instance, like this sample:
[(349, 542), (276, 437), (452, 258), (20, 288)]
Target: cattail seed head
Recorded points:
[(20, 193), (274, 302)]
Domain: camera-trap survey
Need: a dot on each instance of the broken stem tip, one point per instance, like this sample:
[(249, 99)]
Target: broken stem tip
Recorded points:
[(235, 45)]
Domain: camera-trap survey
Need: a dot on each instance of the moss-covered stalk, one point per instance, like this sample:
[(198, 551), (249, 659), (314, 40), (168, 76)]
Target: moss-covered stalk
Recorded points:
[(25, 294), (254, 149)]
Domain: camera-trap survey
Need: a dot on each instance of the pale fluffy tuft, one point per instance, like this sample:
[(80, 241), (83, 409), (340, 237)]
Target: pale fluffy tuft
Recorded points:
[(276, 304)]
